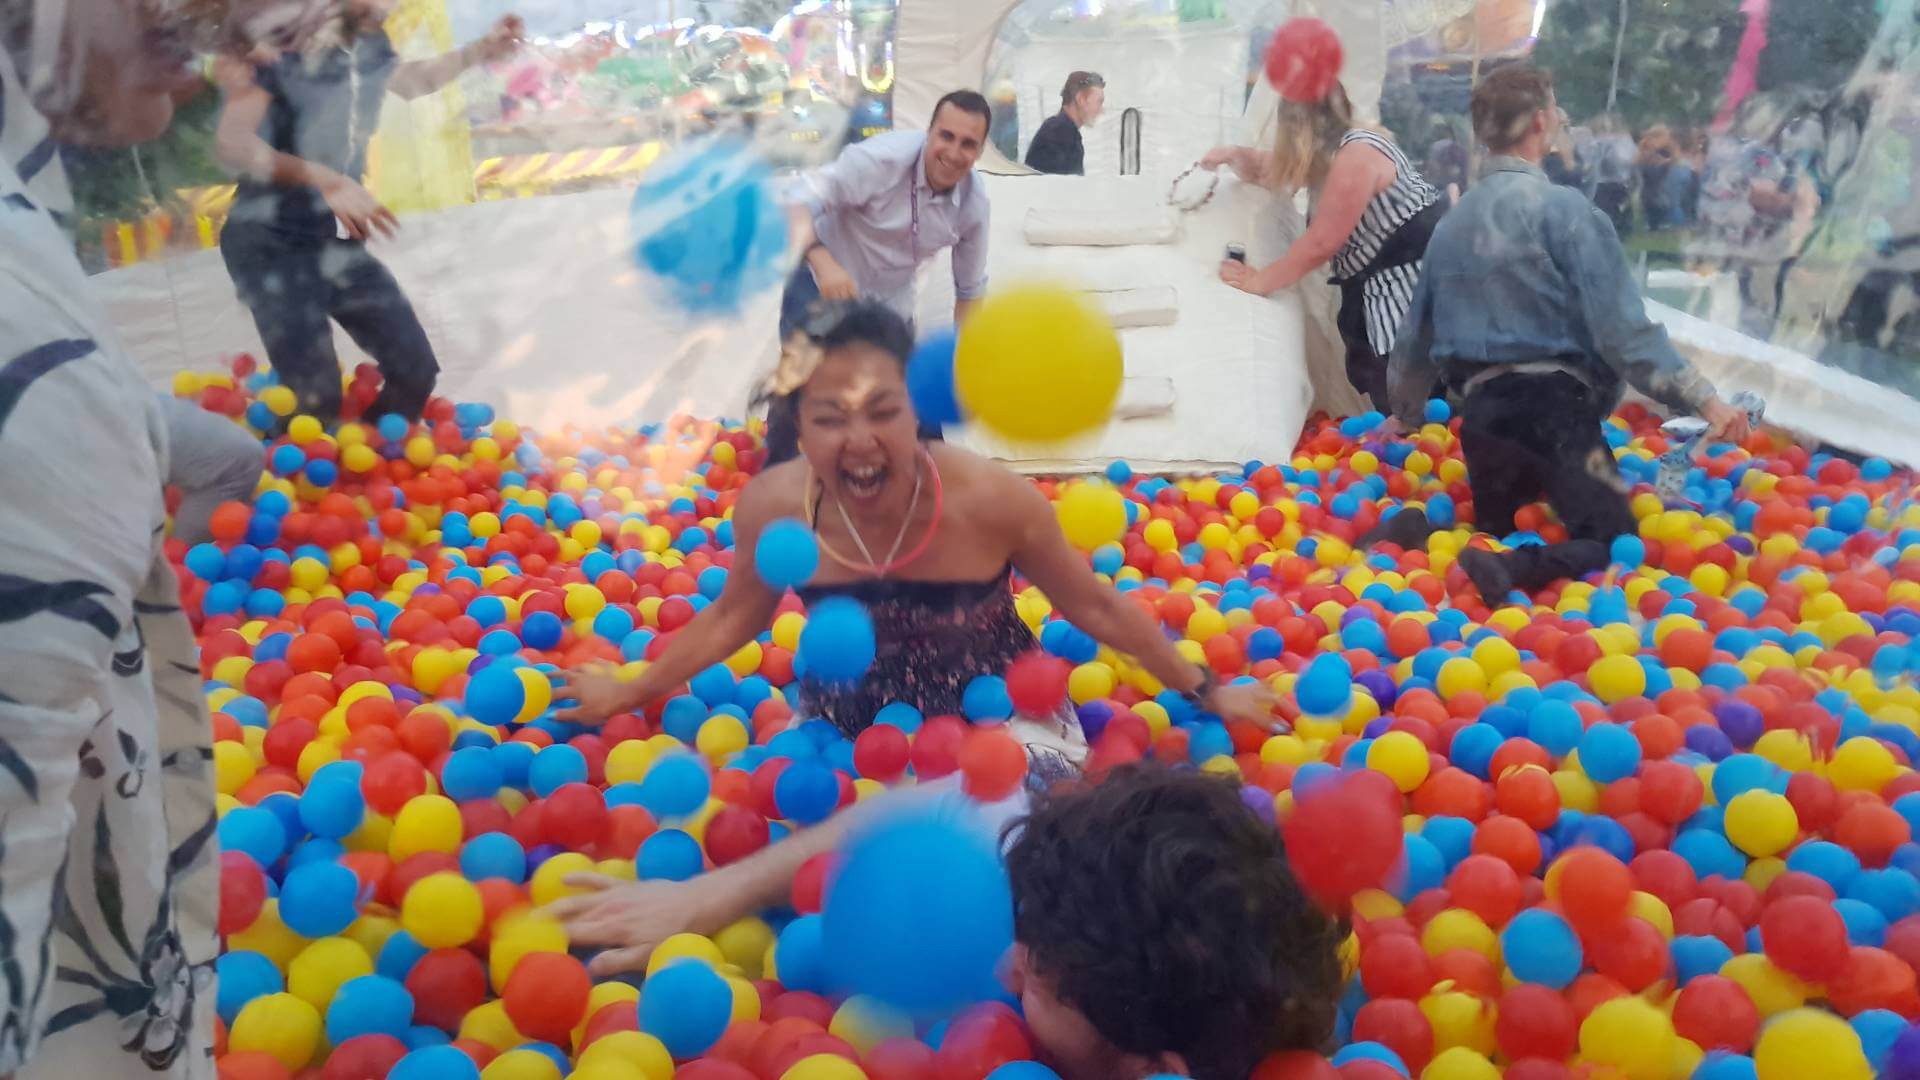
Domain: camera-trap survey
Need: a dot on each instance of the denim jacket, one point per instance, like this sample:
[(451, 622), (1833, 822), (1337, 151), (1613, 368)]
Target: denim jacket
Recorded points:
[(1524, 272)]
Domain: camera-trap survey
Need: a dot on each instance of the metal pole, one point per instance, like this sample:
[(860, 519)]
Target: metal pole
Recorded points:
[(1619, 44)]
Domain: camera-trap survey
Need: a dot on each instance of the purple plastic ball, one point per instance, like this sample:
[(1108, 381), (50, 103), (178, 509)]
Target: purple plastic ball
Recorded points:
[(1741, 721)]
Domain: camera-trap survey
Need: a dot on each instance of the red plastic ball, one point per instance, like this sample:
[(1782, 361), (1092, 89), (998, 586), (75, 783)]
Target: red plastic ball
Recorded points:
[(980, 1040), (1805, 936), (1303, 60), (1715, 1013), (1533, 1021), (243, 889), (1398, 1025), (446, 984), (547, 995), (1395, 966), (992, 764), (363, 1057), (1037, 683), (881, 752), (1344, 835), (734, 833)]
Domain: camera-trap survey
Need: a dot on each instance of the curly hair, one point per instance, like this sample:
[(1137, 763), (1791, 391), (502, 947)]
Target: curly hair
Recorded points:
[(1162, 909)]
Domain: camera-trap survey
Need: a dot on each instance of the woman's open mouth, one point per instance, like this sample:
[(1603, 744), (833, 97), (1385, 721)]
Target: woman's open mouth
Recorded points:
[(864, 481)]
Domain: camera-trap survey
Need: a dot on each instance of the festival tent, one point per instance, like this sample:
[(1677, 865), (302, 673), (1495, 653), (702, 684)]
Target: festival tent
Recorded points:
[(535, 305)]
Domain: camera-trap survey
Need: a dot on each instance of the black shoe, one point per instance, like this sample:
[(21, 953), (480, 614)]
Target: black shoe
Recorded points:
[(1488, 572), (1408, 529)]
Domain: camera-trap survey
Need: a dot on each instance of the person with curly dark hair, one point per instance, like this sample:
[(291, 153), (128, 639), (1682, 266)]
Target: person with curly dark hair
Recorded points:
[(1158, 929)]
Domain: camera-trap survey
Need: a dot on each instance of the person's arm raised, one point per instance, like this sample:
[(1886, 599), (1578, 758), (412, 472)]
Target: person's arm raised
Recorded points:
[(1359, 172), (744, 608), (417, 78), (1056, 568)]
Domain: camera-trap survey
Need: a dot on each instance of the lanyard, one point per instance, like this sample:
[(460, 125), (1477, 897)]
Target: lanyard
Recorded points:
[(913, 202)]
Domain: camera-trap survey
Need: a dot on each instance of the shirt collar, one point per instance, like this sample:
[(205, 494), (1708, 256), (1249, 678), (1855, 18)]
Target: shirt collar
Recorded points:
[(1509, 163)]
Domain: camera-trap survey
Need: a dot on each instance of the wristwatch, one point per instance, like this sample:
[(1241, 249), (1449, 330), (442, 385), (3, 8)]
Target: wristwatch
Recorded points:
[(1197, 697)]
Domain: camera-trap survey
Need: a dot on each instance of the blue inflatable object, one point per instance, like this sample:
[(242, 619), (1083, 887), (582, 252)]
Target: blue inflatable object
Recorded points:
[(786, 555), (705, 225), (920, 913)]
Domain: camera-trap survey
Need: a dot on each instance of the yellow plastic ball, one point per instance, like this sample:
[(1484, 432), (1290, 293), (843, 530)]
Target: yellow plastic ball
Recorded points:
[(629, 761), (1761, 823), (488, 1023), (279, 1024), (1459, 1063), (1805, 1043), (1862, 765), (323, 967), (1402, 757), (865, 1023), (1460, 675), (1458, 928), (304, 429), (425, 823), (279, 400), (1771, 989), (722, 737), (1091, 514), (517, 935), (1496, 656), (233, 766), (744, 944), (684, 946), (521, 1065), (1206, 624), (442, 911), (549, 881), (1091, 681), (636, 1049), (1459, 1019), (1617, 678), (269, 936), (824, 1067), (1038, 363), (1631, 1036)]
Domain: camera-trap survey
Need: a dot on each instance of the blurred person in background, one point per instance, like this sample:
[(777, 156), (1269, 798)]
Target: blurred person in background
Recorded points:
[(1372, 213), (1669, 187), (108, 899), (1760, 196), (1607, 164), (1057, 147), (295, 129), (1447, 161)]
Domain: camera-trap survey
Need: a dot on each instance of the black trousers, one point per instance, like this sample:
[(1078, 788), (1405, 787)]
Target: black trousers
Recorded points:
[(783, 420), (1525, 435), (294, 285)]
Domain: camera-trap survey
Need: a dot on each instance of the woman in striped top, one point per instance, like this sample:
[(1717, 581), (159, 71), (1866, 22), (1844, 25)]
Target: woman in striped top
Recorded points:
[(1372, 214)]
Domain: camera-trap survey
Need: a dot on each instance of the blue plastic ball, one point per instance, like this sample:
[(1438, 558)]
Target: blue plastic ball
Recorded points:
[(494, 855), (787, 554), (837, 644), (1541, 948), (1609, 752), (930, 379), (255, 831), (1326, 687), (986, 699), (541, 630), (319, 899), (555, 767), (806, 792), (668, 855), (495, 694), (687, 1006), (470, 773), (676, 785), (240, 977), (920, 913), (443, 1062), (369, 1005)]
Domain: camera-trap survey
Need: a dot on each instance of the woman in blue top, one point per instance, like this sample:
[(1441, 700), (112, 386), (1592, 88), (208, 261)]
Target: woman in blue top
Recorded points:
[(1372, 214)]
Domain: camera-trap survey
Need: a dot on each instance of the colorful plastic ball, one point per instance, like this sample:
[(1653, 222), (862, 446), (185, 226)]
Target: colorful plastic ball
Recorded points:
[(255, 832), (837, 644), (986, 698), (1326, 687), (241, 977), (1761, 823), (1630, 1035), (930, 383), (1038, 363), (676, 785), (706, 227), (546, 996), (786, 555), (1609, 752), (369, 1005), (1091, 514), (927, 885), (668, 855), (436, 1063), (686, 1005), (1402, 757), (319, 899), (442, 911), (362, 1056), (555, 767), (806, 792), (1303, 60), (1344, 836), (1541, 948), (1617, 678), (1808, 1042), (282, 1025)]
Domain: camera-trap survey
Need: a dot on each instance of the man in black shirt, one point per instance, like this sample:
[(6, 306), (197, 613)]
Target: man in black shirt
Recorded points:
[(1056, 147)]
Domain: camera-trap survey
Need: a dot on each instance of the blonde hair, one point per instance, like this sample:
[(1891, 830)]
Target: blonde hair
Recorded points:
[(1306, 137)]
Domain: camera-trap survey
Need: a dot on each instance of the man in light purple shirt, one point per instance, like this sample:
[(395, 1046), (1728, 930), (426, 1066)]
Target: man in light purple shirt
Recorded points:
[(870, 219)]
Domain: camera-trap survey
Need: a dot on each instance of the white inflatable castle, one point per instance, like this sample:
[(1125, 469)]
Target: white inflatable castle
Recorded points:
[(534, 304)]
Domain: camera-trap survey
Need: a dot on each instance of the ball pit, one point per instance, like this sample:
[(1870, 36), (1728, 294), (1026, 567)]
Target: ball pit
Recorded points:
[(1657, 826)]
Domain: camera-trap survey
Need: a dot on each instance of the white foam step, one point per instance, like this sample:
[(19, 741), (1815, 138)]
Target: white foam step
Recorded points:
[(1092, 226), (1155, 305), (1144, 396)]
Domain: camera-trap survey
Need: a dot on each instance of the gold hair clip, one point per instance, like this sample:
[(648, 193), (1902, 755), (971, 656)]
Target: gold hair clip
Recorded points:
[(800, 356)]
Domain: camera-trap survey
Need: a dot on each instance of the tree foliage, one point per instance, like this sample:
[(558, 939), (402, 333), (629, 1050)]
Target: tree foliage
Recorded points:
[(1673, 62)]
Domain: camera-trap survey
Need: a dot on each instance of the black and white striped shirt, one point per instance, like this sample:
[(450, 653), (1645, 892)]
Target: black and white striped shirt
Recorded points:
[(1389, 293)]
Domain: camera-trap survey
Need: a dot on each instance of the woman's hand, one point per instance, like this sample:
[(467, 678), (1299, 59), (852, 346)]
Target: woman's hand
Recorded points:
[(501, 40), (631, 918), (1218, 156), (1243, 277), (1250, 703), (598, 692)]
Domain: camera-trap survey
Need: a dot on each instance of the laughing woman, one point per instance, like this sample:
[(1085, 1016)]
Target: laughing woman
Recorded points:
[(923, 534)]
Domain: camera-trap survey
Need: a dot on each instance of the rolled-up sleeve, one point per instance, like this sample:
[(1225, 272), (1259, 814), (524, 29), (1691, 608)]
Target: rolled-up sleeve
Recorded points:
[(1588, 251), (970, 255)]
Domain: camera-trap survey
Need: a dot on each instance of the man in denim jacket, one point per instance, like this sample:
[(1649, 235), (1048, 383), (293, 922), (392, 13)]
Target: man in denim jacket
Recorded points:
[(1527, 309)]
